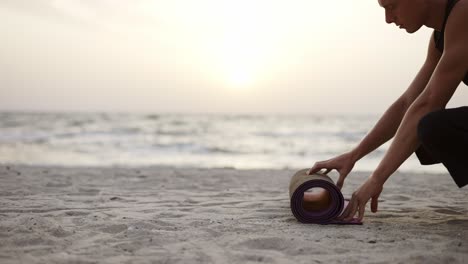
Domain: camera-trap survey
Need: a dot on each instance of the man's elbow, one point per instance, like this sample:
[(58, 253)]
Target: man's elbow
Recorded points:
[(429, 102)]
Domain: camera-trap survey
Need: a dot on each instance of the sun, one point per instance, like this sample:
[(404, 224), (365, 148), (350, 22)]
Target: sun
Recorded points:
[(239, 79), (242, 47), (239, 64), (239, 58), (242, 41)]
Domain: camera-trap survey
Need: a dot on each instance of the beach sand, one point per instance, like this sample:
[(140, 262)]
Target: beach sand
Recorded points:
[(173, 215)]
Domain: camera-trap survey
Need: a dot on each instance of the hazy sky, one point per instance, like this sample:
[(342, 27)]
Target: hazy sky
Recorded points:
[(284, 56)]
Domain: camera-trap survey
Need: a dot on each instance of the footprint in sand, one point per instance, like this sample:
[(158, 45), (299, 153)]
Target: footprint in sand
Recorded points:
[(341, 250), (89, 191), (59, 232), (114, 229), (406, 210), (346, 236), (270, 210), (116, 198), (170, 215), (85, 192), (459, 223), (190, 201), (398, 198), (447, 212), (257, 258), (386, 216), (268, 243), (58, 184), (76, 213)]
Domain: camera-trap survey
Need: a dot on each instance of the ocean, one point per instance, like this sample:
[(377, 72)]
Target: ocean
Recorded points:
[(240, 141)]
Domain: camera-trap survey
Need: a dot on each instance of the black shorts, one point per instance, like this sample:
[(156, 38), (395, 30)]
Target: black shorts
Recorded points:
[(444, 139)]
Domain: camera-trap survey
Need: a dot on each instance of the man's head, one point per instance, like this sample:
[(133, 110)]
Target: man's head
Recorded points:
[(407, 14)]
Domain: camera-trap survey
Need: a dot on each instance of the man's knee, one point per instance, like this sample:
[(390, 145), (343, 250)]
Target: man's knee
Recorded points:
[(431, 127)]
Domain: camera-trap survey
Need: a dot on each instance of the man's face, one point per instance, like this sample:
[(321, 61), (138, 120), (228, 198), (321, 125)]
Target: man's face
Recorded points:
[(404, 13)]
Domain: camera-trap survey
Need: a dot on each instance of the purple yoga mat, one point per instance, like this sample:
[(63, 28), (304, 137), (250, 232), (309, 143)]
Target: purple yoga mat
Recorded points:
[(300, 183)]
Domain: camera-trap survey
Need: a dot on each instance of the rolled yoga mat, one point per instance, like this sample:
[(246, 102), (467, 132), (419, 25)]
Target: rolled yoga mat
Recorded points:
[(321, 208)]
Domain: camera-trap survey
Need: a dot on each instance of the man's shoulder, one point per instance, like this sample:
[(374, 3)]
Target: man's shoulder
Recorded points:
[(456, 41), (461, 3), (457, 24), (459, 12)]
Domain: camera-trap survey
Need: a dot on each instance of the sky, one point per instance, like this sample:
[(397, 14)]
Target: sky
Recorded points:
[(205, 56)]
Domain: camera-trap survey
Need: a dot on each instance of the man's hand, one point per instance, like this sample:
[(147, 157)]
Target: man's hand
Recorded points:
[(343, 164), (370, 189)]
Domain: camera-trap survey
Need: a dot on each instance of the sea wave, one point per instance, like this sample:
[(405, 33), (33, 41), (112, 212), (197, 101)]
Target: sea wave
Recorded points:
[(200, 140)]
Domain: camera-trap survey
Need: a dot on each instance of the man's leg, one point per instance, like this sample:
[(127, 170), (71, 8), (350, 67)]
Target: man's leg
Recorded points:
[(444, 138)]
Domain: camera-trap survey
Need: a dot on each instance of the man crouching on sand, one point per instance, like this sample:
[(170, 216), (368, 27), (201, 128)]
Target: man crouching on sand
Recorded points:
[(418, 118)]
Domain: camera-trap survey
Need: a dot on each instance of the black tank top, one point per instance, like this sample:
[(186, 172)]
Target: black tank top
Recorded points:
[(439, 35)]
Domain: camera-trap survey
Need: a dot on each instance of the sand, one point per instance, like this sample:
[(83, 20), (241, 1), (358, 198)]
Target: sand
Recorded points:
[(173, 215)]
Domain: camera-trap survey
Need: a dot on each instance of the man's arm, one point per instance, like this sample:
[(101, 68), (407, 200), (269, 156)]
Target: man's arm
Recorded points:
[(388, 124), (448, 74)]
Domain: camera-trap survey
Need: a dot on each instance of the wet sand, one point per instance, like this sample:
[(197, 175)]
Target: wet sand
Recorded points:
[(173, 215)]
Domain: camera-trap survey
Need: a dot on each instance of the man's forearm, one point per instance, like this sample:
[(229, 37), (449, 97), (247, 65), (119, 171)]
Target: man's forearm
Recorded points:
[(447, 76), (383, 131), (405, 142)]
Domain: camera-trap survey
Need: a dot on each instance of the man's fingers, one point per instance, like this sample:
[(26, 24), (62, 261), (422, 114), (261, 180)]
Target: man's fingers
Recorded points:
[(313, 170), (374, 204), (345, 211), (327, 171), (340, 181), (362, 207), (350, 210), (317, 167)]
